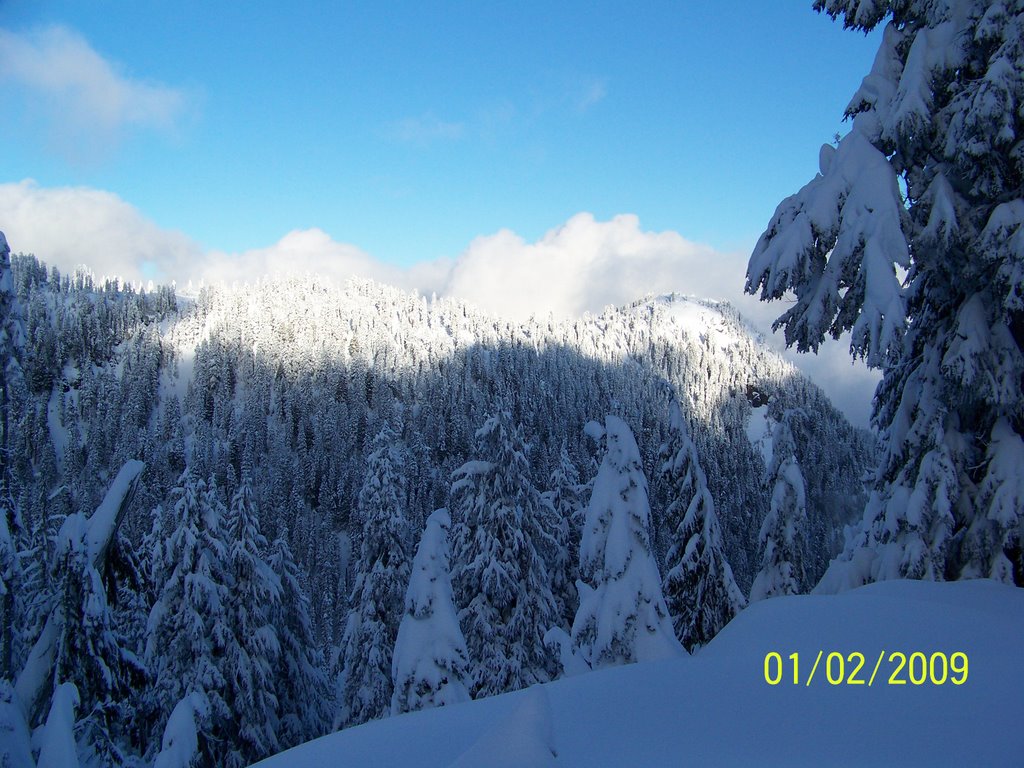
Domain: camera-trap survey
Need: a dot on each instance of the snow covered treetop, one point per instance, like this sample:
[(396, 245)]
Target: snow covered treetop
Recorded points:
[(912, 238), (619, 509), (429, 662), (623, 453), (94, 536), (939, 113), (857, 14), (622, 617), (835, 243), (430, 564)]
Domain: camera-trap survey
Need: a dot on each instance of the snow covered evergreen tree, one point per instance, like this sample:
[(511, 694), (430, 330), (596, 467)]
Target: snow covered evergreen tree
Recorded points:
[(190, 625), (303, 692), (501, 581), (782, 532), (11, 341), (10, 580), (82, 644), (622, 616), (58, 748), (699, 587), (567, 508), (94, 651), (252, 654), (379, 592), (430, 664), (929, 180), (15, 741), (179, 745)]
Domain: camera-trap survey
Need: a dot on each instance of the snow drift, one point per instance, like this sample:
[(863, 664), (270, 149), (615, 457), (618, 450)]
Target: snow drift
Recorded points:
[(715, 708)]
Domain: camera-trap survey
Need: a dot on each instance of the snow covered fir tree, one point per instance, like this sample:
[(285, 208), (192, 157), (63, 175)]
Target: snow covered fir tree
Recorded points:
[(622, 616), (699, 585), (364, 677), (502, 534), (430, 661), (782, 532), (929, 181)]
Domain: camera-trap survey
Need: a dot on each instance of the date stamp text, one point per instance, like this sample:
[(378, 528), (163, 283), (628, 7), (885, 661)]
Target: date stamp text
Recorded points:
[(889, 668)]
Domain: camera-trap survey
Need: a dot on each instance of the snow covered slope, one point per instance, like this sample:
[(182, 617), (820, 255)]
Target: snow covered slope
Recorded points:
[(716, 321), (715, 708)]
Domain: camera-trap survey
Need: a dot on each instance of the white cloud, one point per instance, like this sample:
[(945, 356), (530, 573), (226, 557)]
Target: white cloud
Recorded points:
[(313, 251), (299, 252), (70, 226), (583, 265), (591, 93), (425, 129), (86, 102), (574, 94)]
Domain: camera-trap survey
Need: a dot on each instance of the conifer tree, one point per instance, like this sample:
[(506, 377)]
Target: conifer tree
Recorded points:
[(303, 693), (95, 651), (15, 740), (189, 626), (430, 663), (501, 581), (11, 341), (930, 180), (57, 738), (84, 643), (252, 654), (378, 595), (782, 532), (179, 745), (10, 580), (567, 507), (700, 590), (622, 616)]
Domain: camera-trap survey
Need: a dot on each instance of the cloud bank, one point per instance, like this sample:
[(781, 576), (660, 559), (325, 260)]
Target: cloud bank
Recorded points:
[(582, 266), (68, 227), (585, 265), (84, 100)]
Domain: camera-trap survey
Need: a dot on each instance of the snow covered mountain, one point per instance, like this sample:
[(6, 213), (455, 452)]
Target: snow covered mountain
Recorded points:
[(297, 435), (716, 708)]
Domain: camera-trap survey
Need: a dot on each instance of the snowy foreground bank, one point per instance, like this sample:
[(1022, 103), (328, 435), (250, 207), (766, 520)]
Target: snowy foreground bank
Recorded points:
[(715, 708)]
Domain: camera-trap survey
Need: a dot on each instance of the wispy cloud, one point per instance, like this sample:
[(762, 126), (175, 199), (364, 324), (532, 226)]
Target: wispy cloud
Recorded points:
[(425, 129), (86, 102), (492, 120), (574, 95), (589, 94)]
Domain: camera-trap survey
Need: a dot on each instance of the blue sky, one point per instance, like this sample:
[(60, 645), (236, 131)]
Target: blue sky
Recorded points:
[(397, 135), (410, 128)]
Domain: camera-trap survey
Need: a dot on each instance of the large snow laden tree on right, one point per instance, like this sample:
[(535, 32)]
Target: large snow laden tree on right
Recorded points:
[(929, 180)]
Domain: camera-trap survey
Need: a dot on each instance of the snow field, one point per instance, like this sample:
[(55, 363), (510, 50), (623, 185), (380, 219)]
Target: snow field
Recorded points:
[(715, 708)]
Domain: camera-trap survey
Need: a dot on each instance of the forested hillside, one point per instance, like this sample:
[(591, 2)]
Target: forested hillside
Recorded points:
[(296, 436)]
